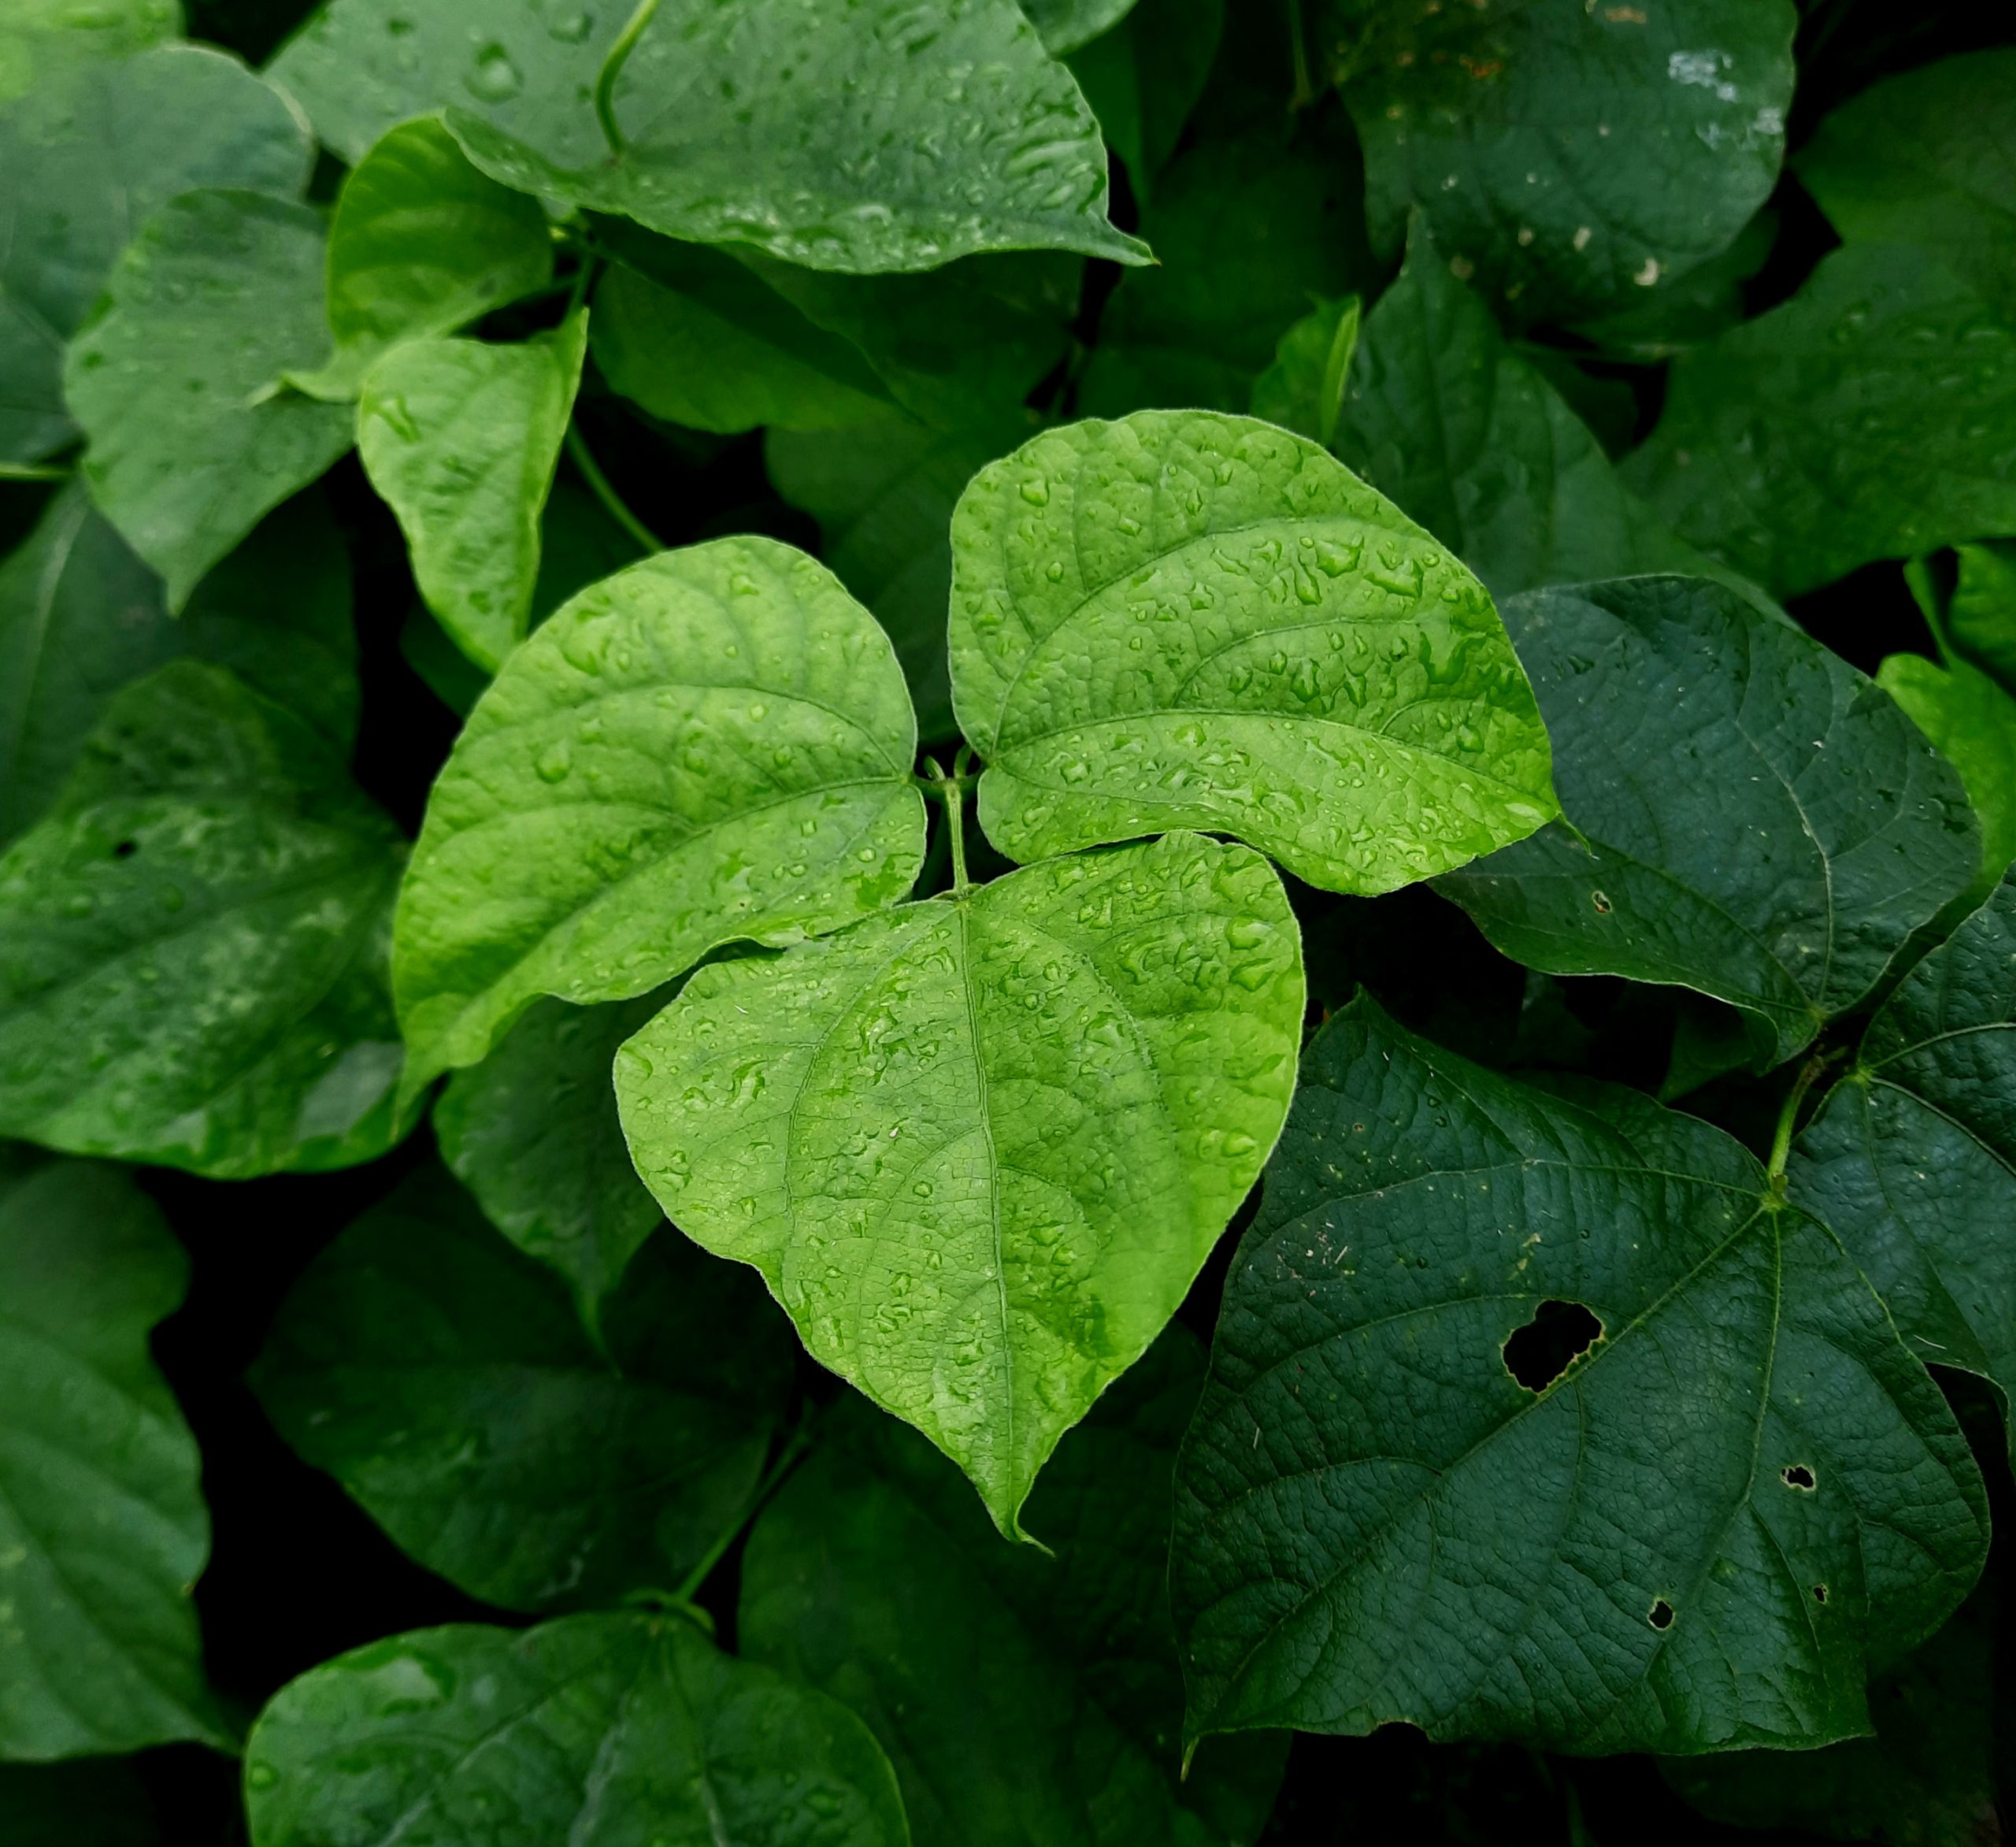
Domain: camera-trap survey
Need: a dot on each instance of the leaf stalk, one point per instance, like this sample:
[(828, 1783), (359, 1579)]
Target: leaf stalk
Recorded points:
[(611, 68), (788, 1457), (598, 485)]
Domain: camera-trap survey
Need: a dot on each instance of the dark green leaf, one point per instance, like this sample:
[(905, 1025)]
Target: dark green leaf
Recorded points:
[(1972, 723), (1304, 390), (1144, 78), (1707, 301), (1705, 1533), (1066, 25)]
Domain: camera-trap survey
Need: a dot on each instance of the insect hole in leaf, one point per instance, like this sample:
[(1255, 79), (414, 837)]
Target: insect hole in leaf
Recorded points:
[(1559, 1333)]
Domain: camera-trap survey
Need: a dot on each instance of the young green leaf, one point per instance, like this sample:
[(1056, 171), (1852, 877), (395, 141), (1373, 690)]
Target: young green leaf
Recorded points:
[(598, 1731), (979, 1148), (176, 381), (39, 39), (1913, 1158), (193, 944), (1304, 390), (714, 744), (1981, 616), (1144, 76), (532, 1132), (1184, 620), (446, 1383), (422, 244), (1972, 723), (102, 1528), (462, 438), (1065, 24), (1546, 1420), (776, 128), (1571, 155), (1746, 814), (89, 155), (1072, 1733)]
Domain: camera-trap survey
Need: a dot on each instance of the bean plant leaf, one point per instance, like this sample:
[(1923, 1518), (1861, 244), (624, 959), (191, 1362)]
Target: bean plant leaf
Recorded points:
[(462, 438), (1746, 814), (532, 1132), (446, 1383), (839, 136), (193, 944), (1185, 620), (89, 155), (979, 1148), (1064, 25), (1542, 1418), (1304, 390), (1913, 1159), (1981, 616), (422, 244), (41, 39), (1872, 416), (713, 745), (587, 1730), (1572, 156), (1972, 723), (176, 381), (102, 1526), (1073, 1732), (1144, 76)]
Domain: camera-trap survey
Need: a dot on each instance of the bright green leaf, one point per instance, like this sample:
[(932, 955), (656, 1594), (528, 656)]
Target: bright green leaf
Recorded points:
[(981, 1148), (1144, 78), (714, 744), (1071, 1734), (1982, 614), (1704, 1533), (176, 381), (1745, 814), (1972, 723), (193, 944), (1304, 390), (598, 1731), (102, 1527), (41, 39), (1066, 25), (462, 438), (1184, 620), (446, 1383)]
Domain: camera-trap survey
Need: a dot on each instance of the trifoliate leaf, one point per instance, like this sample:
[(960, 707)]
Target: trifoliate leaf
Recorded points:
[(1073, 1733), (979, 1146), (1304, 390), (193, 944), (1972, 723), (1144, 76), (447, 1383), (41, 39), (177, 381), (1744, 814), (1184, 620), (712, 745), (587, 1730), (1548, 1420)]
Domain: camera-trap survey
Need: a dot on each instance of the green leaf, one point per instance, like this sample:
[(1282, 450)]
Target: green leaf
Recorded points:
[(1745, 814), (39, 39), (62, 1804), (446, 1383), (1982, 614), (1574, 157), (193, 944), (778, 129), (422, 244), (1184, 620), (89, 156), (1704, 1534), (1972, 723), (461, 438), (981, 1148), (1868, 417), (532, 1132), (102, 1527), (1144, 77), (600, 1730), (1912, 1160), (1064, 25), (713, 745), (874, 1577), (1304, 390), (80, 616), (1927, 158), (176, 381), (1707, 301)]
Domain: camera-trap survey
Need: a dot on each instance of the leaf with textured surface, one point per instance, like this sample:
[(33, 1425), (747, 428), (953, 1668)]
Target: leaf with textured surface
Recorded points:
[(88, 157), (101, 1519), (874, 1576), (1184, 620), (1144, 78), (446, 1383), (1758, 820), (176, 381), (40, 39), (1912, 1159), (1972, 723), (193, 944), (979, 1148), (461, 438), (1376, 1520), (714, 744), (844, 137), (1575, 157), (600, 1731)]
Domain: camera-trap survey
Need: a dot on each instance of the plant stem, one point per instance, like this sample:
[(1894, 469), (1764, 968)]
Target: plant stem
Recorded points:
[(1781, 1142), (612, 68), (32, 471), (599, 486), (951, 790), (583, 276), (795, 1446), (1305, 90)]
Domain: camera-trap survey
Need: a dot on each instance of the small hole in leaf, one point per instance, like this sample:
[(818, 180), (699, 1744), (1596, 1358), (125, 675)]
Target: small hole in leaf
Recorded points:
[(1559, 1333), (126, 849), (1819, 1594), (1799, 1476), (1661, 1616)]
